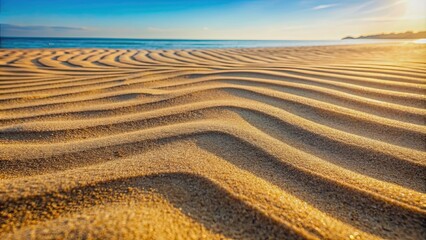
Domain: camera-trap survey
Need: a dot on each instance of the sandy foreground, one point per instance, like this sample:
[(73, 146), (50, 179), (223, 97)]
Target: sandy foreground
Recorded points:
[(279, 143)]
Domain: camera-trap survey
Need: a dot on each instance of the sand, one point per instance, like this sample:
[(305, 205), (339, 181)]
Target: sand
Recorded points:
[(268, 143)]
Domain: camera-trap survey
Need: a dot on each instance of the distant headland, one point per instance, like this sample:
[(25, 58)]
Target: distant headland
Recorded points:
[(405, 35)]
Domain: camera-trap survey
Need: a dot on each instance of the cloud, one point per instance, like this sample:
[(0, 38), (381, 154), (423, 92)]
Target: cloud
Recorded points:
[(325, 6), (40, 28), (384, 8), (29, 30)]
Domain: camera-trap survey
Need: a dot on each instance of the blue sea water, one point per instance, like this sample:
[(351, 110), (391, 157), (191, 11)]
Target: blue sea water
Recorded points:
[(14, 42)]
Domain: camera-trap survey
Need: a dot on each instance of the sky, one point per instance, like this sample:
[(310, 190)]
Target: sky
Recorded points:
[(210, 19)]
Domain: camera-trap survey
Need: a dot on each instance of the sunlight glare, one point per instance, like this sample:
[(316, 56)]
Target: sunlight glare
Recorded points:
[(415, 8)]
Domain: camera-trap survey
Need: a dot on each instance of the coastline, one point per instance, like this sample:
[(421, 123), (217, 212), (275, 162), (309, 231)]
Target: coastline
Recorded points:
[(170, 44)]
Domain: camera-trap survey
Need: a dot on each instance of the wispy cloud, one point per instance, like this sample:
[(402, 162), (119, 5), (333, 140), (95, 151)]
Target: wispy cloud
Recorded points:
[(31, 30), (40, 28), (384, 7), (324, 6)]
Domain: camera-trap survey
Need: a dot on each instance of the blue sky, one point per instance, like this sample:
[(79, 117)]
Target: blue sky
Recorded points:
[(214, 19)]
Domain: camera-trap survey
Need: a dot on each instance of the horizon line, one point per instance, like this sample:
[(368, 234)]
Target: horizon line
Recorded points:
[(192, 39)]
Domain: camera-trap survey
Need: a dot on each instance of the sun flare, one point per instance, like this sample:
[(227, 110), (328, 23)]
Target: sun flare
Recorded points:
[(415, 8)]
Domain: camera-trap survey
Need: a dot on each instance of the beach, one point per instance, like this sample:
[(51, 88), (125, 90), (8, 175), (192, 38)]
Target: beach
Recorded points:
[(321, 142)]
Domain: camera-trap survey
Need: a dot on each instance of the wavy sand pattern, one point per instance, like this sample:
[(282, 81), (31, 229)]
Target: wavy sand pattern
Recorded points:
[(296, 143)]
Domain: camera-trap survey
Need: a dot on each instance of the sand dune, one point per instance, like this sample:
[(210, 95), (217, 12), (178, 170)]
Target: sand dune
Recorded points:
[(286, 143)]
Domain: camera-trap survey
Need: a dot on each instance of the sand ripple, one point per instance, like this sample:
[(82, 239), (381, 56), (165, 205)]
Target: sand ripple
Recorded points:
[(310, 143)]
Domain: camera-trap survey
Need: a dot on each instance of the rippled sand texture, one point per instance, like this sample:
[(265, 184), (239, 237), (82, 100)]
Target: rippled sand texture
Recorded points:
[(291, 143)]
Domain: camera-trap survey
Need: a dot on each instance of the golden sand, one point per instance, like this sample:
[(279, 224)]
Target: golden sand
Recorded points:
[(280, 143)]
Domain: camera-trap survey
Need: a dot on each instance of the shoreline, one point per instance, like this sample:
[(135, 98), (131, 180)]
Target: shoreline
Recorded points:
[(395, 44), (291, 43)]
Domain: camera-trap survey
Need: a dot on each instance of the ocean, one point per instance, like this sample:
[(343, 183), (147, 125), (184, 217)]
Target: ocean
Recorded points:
[(123, 43)]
